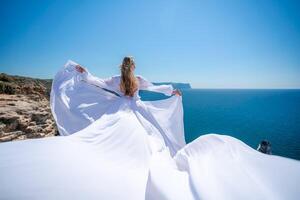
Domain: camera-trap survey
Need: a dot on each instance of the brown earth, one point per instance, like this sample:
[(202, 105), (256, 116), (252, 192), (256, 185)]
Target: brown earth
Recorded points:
[(24, 108)]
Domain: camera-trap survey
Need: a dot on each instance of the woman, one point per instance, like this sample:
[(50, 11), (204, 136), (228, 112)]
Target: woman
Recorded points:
[(128, 83), (119, 147)]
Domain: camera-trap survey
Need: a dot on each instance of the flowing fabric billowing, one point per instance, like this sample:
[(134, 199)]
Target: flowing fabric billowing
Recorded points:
[(118, 147)]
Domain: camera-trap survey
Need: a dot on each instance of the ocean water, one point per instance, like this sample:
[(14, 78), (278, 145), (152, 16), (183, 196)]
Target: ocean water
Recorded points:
[(250, 115)]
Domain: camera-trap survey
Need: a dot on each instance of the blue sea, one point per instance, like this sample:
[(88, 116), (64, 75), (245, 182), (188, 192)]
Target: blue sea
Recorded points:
[(250, 115)]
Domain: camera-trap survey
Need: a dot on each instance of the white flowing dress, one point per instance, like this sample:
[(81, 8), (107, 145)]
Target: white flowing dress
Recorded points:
[(118, 147)]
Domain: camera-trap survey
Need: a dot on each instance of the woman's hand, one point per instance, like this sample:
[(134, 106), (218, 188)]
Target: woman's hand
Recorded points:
[(80, 69), (177, 92)]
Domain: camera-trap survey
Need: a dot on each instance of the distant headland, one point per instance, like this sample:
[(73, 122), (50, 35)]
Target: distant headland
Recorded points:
[(182, 86)]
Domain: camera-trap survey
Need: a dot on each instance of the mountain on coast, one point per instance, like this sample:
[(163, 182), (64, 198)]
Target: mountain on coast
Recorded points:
[(181, 86)]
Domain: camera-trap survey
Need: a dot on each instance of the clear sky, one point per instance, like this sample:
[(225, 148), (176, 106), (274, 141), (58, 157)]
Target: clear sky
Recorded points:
[(210, 44)]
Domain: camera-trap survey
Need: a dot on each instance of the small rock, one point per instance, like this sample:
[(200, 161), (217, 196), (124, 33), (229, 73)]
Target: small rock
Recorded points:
[(265, 147)]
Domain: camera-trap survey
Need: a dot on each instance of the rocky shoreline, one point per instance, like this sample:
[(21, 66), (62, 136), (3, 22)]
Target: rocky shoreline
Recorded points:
[(25, 109)]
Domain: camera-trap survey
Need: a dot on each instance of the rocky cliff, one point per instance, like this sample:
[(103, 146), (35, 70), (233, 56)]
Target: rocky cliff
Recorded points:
[(24, 108)]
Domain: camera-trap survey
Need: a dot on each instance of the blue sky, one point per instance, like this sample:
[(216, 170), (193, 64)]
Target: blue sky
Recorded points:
[(210, 44)]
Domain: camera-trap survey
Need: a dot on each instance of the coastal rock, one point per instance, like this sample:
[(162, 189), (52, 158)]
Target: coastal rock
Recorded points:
[(22, 118), (24, 85), (265, 147), (24, 108)]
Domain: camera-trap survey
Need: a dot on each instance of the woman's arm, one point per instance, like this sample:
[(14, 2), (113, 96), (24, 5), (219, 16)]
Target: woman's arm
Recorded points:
[(107, 83), (165, 89)]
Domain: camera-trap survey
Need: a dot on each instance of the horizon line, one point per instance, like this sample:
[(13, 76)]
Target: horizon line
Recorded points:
[(246, 88), (33, 77)]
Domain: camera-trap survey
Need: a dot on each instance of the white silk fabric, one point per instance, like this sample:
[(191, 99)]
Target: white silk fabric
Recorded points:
[(118, 147)]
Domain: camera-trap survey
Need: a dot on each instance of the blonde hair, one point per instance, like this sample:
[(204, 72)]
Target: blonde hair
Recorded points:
[(128, 83)]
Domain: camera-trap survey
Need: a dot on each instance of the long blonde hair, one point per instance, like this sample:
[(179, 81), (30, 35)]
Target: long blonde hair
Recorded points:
[(128, 83)]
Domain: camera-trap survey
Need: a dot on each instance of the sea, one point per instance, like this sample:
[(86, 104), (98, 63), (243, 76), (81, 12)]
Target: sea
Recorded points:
[(251, 115)]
